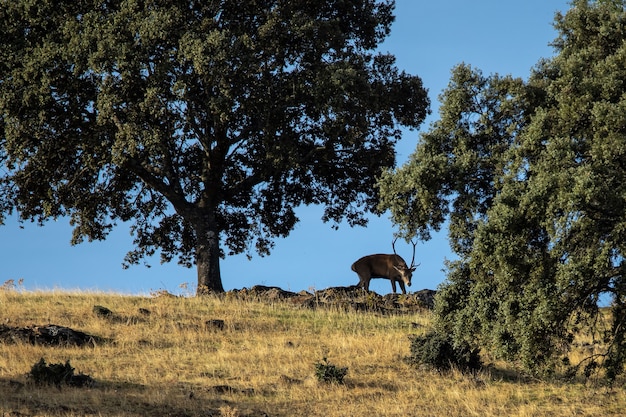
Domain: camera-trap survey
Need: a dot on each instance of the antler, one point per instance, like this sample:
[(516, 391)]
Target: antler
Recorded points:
[(413, 259), (393, 245)]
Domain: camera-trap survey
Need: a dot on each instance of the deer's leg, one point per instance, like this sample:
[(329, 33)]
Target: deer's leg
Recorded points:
[(393, 285), (364, 281), (402, 287), (366, 284)]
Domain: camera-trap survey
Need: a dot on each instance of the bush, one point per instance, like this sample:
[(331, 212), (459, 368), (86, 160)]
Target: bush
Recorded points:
[(437, 351), (327, 372), (57, 374)]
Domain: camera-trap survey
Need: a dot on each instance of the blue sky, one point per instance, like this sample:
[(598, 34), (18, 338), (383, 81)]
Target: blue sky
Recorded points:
[(428, 38)]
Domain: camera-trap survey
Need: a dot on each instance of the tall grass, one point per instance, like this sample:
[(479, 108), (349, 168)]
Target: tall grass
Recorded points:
[(170, 363)]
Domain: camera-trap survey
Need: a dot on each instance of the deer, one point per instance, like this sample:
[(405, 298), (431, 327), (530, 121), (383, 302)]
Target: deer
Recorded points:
[(391, 267)]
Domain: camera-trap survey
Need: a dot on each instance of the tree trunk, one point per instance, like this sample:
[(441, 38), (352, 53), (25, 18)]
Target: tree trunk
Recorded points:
[(208, 256)]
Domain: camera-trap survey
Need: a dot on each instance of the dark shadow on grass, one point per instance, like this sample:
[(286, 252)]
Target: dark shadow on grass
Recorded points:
[(20, 396)]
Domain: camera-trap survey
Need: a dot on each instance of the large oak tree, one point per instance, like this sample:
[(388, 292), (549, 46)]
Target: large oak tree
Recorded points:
[(531, 176), (203, 123)]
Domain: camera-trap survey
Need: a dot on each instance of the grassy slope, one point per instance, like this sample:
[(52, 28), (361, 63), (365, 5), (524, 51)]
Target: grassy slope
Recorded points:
[(167, 363)]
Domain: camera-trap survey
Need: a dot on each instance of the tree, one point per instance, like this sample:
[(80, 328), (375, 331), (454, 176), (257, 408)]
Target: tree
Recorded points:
[(531, 176), (203, 123), (453, 172)]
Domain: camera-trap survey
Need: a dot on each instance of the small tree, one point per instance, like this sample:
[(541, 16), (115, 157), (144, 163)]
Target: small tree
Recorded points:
[(437, 350), (327, 372), (205, 124)]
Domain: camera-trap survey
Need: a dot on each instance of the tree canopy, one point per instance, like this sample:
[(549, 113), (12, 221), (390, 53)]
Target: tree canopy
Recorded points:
[(531, 177), (203, 123)]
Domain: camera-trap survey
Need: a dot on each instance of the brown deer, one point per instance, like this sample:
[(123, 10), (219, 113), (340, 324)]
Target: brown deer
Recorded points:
[(391, 267)]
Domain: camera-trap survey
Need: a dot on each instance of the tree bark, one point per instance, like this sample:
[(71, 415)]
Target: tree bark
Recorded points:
[(208, 256)]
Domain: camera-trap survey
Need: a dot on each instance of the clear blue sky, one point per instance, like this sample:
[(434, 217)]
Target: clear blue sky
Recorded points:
[(428, 38)]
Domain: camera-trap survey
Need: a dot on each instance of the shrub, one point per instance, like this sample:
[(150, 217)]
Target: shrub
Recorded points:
[(437, 351), (57, 374), (329, 373)]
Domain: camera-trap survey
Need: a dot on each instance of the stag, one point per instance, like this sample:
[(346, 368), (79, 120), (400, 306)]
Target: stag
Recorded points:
[(391, 267)]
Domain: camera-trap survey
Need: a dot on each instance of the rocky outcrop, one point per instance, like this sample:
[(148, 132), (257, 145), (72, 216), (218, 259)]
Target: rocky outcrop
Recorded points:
[(348, 298), (50, 335)]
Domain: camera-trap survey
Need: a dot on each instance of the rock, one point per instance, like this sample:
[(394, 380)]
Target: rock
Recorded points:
[(426, 297), (227, 389), (144, 312), (51, 335), (272, 293), (351, 298), (306, 301), (341, 293), (214, 324), (101, 311)]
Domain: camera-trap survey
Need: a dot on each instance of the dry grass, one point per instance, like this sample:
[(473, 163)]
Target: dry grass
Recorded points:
[(169, 364)]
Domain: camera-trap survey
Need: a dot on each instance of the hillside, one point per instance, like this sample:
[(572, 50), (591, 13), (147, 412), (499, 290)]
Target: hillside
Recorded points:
[(242, 355)]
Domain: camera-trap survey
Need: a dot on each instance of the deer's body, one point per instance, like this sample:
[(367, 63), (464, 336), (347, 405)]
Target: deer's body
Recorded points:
[(381, 265)]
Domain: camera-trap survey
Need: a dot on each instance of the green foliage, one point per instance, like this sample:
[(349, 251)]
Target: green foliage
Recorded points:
[(438, 351), (531, 177), (329, 373), (458, 159), (56, 374), (204, 124), (52, 374)]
